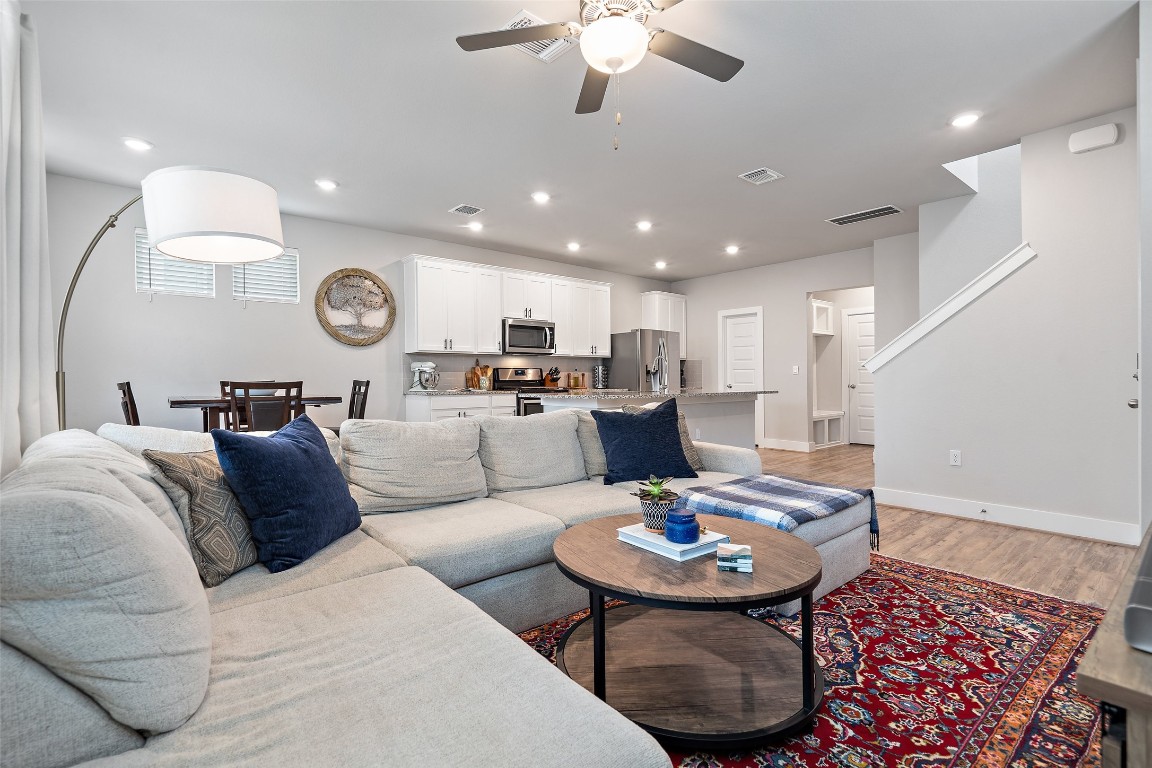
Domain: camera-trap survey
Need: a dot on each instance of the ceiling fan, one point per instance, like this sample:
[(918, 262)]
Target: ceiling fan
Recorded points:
[(613, 39)]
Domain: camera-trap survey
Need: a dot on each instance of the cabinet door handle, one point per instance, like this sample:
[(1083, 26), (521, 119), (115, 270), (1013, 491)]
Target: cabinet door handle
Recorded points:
[(445, 343), (529, 311), (451, 343)]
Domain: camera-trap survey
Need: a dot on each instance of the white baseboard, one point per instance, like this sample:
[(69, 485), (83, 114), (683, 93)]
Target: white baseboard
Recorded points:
[(1021, 517), (785, 445)]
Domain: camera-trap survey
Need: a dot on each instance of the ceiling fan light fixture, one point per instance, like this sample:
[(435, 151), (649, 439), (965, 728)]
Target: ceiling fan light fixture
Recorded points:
[(614, 44)]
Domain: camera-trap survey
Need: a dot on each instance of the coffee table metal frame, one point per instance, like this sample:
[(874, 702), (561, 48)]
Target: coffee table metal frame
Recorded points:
[(813, 674)]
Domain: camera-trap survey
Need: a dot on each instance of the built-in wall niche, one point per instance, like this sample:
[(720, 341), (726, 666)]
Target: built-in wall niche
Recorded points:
[(823, 317)]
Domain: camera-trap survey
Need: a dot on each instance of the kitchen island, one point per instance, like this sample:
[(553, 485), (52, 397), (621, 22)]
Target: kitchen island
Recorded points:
[(727, 417)]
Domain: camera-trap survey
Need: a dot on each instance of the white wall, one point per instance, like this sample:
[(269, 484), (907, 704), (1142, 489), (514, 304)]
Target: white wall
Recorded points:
[(1144, 103), (181, 345), (963, 236), (828, 351), (1031, 382), (896, 266), (782, 290)]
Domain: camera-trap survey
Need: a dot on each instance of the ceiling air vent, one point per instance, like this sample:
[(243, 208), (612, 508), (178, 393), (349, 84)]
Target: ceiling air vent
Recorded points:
[(544, 50), (466, 210), (874, 213), (761, 176)]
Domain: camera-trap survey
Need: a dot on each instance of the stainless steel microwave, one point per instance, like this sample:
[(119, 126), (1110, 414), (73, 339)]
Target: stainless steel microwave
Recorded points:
[(529, 337)]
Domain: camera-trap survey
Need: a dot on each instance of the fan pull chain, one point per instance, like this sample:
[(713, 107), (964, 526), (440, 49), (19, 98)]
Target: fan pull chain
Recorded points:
[(615, 131)]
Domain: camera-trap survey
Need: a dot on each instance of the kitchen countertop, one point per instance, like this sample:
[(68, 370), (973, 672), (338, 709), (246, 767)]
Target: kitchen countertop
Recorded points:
[(433, 392), (615, 394)]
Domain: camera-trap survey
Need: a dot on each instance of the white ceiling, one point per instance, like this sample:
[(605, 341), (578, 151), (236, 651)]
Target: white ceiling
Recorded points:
[(850, 100)]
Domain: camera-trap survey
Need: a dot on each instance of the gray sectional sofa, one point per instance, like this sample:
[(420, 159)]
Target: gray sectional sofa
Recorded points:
[(388, 647)]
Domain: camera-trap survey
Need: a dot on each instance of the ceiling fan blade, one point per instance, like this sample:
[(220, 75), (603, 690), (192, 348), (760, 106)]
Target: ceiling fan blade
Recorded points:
[(592, 92), (685, 52), (502, 37), (663, 5)]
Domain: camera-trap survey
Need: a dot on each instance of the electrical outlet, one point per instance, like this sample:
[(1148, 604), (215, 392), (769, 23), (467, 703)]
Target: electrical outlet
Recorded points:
[(954, 458), (795, 370)]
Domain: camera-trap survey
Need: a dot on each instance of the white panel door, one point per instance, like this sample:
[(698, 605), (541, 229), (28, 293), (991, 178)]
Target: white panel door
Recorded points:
[(460, 295), (562, 316), (860, 338), (538, 295), (514, 289), (579, 319), (600, 320), (741, 353), (489, 312), (431, 306)]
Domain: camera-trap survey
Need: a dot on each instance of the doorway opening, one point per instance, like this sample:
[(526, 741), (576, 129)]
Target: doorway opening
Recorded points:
[(842, 398)]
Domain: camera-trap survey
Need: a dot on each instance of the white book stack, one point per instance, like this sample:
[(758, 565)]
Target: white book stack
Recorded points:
[(734, 558), (655, 542)]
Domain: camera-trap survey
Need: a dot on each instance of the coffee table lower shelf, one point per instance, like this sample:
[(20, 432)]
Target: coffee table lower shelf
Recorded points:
[(696, 680)]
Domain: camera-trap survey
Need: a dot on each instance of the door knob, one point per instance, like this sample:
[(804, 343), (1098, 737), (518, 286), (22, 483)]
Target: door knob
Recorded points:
[(1133, 403), (729, 386), (851, 386)]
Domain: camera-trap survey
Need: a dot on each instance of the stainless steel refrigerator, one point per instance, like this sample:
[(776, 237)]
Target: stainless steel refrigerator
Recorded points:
[(646, 361)]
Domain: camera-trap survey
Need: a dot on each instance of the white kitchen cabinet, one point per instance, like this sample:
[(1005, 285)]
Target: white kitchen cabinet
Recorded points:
[(440, 407), (443, 312), (600, 326), (489, 311), (663, 311), (526, 294), (561, 315)]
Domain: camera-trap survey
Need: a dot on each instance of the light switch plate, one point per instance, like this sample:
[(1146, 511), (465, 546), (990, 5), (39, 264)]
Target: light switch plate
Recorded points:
[(795, 370)]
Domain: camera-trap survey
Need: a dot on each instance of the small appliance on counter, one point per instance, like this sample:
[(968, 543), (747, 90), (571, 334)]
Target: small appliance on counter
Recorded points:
[(528, 384), (645, 360), (424, 376), (599, 377)]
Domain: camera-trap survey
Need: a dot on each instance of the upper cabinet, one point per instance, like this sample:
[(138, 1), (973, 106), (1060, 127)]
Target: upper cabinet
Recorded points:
[(454, 306), (662, 311), (527, 295)]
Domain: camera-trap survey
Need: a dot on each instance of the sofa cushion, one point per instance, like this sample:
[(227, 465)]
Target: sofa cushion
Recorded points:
[(137, 439), (349, 557), (642, 444), (393, 466), (595, 463), (678, 484), (469, 541), (574, 503), (97, 590), (686, 443), (389, 669), (218, 530), (530, 451), (292, 491), (48, 723)]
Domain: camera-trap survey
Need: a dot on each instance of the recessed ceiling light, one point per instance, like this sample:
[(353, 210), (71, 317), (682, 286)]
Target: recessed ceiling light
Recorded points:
[(541, 197), (661, 264), (573, 246), (326, 184), (137, 144), (965, 120), (475, 226), (643, 226), (732, 250)]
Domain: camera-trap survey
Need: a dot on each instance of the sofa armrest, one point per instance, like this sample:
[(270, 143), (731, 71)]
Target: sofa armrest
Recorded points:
[(729, 458)]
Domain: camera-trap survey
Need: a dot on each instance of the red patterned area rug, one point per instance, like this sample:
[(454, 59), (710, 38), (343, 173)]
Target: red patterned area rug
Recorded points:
[(926, 668)]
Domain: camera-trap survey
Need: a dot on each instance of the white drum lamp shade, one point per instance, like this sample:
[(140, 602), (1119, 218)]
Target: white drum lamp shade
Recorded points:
[(205, 214)]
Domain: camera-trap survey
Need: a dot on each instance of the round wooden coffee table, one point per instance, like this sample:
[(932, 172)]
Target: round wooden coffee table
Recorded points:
[(702, 675)]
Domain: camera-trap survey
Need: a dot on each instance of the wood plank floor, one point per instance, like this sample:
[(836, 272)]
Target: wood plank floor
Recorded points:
[(1074, 569)]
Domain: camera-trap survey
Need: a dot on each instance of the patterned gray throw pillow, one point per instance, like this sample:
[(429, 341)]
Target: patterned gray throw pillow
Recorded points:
[(217, 527), (690, 452)]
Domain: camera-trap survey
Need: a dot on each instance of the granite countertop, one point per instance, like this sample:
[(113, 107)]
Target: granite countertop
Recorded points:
[(432, 392), (615, 394)]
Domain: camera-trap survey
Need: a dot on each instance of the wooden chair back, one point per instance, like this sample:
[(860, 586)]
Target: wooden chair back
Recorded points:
[(263, 412), (358, 400), (128, 404)]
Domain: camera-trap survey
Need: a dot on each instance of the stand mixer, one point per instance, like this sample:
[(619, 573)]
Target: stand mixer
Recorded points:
[(424, 376)]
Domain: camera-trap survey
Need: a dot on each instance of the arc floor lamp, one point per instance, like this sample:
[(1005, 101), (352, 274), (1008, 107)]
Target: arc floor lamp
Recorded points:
[(196, 214)]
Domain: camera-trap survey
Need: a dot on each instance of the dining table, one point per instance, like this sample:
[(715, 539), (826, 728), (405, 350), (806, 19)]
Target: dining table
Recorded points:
[(214, 406)]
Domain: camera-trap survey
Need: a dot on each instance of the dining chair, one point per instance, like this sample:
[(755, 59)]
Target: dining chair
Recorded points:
[(260, 406), (358, 400), (128, 404)]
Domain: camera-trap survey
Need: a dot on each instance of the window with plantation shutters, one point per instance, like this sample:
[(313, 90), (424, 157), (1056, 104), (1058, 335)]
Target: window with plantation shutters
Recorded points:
[(157, 273), (273, 280)]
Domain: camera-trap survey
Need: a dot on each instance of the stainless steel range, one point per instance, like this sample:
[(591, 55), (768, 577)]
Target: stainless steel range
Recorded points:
[(528, 384)]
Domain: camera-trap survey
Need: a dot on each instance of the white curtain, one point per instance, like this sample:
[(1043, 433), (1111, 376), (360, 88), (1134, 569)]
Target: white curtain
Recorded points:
[(27, 379)]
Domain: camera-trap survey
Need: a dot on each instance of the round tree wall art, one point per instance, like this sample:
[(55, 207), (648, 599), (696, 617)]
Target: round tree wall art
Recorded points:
[(355, 307)]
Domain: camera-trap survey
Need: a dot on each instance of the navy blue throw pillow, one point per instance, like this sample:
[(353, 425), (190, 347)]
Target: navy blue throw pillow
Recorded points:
[(638, 445), (291, 490)]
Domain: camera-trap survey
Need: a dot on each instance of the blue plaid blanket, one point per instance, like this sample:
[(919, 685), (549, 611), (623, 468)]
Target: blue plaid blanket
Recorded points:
[(781, 502)]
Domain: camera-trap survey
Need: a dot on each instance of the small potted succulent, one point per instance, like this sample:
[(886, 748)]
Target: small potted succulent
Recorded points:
[(655, 502)]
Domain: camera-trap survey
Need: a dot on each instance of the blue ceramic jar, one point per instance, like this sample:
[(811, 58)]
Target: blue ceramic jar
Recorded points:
[(681, 527)]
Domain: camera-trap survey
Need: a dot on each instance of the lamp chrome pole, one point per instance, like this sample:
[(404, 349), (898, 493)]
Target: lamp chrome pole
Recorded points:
[(61, 409)]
